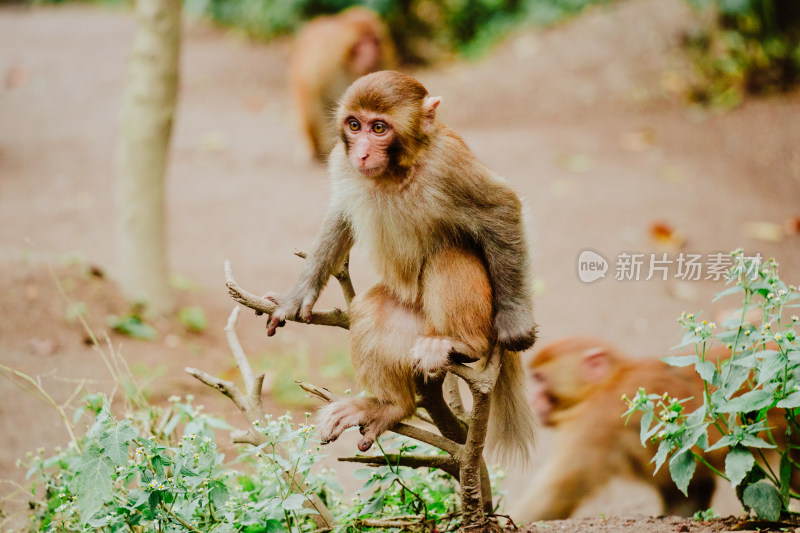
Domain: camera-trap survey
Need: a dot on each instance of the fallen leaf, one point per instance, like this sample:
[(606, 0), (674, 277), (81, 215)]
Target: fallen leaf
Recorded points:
[(664, 235)]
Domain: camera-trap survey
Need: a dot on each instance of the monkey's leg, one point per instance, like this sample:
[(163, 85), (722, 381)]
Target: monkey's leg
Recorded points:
[(457, 309), (382, 332)]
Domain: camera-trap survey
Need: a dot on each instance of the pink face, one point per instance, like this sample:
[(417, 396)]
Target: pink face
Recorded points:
[(541, 401), (369, 137)]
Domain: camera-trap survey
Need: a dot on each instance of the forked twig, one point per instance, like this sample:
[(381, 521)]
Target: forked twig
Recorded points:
[(331, 317), (252, 409), (463, 440)]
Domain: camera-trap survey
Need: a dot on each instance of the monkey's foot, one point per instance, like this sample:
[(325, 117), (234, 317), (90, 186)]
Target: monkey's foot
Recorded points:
[(432, 354), (371, 417)]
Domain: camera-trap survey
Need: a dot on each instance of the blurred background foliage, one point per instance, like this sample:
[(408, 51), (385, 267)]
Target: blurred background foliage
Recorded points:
[(744, 46), (424, 30), (739, 46)]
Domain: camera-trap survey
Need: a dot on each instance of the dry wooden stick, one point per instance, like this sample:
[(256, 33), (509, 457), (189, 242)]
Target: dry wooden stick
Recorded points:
[(442, 462), (331, 317), (252, 408)]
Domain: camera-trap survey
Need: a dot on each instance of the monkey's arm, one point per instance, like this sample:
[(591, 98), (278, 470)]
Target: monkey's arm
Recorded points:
[(502, 237), (330, 248)]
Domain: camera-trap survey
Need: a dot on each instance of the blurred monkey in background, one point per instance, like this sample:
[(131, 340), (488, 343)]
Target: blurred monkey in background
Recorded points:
[(329, 54), (575, 387)]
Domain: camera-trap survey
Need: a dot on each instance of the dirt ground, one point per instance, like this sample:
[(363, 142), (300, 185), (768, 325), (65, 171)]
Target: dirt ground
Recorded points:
[(583, 120)]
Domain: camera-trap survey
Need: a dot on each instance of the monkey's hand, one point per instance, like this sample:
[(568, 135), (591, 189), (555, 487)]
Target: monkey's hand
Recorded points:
[(295, 305), (515, 329)]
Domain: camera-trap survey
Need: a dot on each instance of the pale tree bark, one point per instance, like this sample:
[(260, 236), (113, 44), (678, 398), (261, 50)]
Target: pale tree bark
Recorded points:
[(147, 115)]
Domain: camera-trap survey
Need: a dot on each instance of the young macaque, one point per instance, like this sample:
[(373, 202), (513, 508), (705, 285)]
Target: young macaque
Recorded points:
[(446, 236), (576, 386), (329, 54)]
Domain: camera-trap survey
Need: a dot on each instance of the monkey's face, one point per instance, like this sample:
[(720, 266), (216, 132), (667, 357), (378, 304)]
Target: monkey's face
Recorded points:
[(540, 396), (368, 137)]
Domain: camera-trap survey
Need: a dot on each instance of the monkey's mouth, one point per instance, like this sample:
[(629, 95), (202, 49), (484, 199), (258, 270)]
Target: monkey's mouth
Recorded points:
[(370, 171)]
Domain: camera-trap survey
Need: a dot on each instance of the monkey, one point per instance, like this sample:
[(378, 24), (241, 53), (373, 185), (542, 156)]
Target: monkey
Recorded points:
[(445, 234), (329, 54), (576, 387)]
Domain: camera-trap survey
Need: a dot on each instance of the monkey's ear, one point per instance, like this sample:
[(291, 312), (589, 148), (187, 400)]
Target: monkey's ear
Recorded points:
[(595, 364), (429, 106)]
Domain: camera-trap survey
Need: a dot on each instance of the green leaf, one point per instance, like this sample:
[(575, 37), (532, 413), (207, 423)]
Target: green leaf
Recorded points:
[(764, 499), (294, 502), (247, 484), (193, 318), (681, 468), (218, 494), (681, 360), (116, 442), (738, 463), (274, 526), (790, 402), (662, 453), (92, 482), (706, 370), (363, 473), (374, 505), (752, 441), (736, 376), (647, 419), (749, 401), (133, 326)]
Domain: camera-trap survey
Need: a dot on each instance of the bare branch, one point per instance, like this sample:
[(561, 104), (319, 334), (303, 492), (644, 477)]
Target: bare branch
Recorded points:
[(236, 349), (474, 477), (331, 317), (452, 395), (252, 408), (448, 464)]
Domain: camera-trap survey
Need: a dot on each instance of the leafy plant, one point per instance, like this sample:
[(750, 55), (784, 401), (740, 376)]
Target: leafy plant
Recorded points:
[(137, 474), (750, 46), (193, 319), (132, 325), (160, 470), (760, 380)]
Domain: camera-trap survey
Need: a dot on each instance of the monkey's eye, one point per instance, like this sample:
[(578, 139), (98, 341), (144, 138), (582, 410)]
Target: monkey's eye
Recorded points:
[(353, 124), (379, 128)]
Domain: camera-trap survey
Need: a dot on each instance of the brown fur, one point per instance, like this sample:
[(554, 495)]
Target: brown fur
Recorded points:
[(325, 60), (577, 385), (445, 234)]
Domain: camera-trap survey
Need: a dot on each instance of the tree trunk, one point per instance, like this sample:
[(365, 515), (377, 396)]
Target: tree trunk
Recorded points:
[(147, 114)]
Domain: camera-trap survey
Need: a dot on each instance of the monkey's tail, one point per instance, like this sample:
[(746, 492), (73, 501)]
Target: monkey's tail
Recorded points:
[(511, 428)]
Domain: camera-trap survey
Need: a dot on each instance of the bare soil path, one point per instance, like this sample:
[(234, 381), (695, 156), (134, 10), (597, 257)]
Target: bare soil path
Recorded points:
[(582, 119)]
